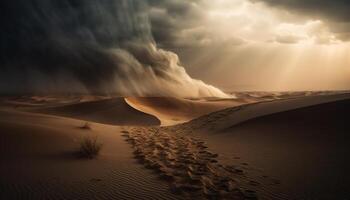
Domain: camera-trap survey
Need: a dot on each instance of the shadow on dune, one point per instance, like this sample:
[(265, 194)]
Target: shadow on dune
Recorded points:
[(306, 149), (111, 111), (171, 110)]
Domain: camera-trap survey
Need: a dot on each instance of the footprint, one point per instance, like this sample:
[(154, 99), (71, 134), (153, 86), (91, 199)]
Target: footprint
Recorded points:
[(95, 180), (254, 183), (276, 182), (185, 162), (250, 194)]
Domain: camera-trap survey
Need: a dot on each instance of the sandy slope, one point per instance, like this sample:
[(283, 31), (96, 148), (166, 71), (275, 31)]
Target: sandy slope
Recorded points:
[(216, 156), (113, 111), (290, 149), (174, 110), (38, 161), (223, 119)]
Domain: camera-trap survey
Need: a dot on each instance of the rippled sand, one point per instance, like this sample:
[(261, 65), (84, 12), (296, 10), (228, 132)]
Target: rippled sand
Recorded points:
[(243, 148)]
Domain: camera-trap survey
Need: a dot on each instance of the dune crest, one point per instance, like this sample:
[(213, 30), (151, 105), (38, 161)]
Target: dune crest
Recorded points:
[(112, 111), (229, 117), (171, 111)]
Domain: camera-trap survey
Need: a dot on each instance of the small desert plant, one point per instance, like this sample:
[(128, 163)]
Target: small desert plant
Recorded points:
[(86, 126), (89, 147)]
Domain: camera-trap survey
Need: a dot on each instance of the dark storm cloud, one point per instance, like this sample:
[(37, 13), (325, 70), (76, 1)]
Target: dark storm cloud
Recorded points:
[(87, 46), (170, 18), (50, 37), (183, 24)]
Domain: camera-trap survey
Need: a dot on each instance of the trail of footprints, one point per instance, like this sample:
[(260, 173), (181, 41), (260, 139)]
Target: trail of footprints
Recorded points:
[(209, 121), (191, 169)]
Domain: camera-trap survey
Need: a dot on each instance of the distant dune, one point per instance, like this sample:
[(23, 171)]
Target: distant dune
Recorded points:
[(172, 111), (113, 111), (175, 110), (223, 119)]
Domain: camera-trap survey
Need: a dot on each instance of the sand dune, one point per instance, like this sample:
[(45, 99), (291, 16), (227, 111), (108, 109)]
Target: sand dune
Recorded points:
[(290, 149), (174, 110), (113, 111), (38, 161), (223, 119), (270, 146), (47, 100)]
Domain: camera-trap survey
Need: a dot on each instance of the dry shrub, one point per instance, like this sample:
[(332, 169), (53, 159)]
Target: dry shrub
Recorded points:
[(86, 126), (90, 147)]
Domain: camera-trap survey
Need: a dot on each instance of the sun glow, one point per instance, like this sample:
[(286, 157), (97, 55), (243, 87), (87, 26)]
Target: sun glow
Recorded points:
[(257, 23), (269, 49)]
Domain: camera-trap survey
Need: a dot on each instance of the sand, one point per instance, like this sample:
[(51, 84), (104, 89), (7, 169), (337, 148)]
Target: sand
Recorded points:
[(40, 161), (224, 119), (171, 111), (114, 111), (286, 149), (298, 154), (185, 163), (253, 157), (259, 145)]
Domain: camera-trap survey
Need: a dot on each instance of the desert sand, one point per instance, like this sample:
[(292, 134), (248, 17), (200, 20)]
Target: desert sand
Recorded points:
[(39, 161), (173, 111), (256, 146)]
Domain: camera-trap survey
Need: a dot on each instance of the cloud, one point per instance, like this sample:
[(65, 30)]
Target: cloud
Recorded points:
[(179, 24), (311, 31), (289, 39), (184, 24), (171, 19), (335, 13), (117, 46), (336, 10), (88, 46), (257, 42)]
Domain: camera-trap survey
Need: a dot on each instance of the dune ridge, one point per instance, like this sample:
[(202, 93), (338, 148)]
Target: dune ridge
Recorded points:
[(274, 142), (229, 117), (171, 110), (177, 152), (113, 111)]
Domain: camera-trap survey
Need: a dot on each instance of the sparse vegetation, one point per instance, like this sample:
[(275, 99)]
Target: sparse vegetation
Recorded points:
[(90, 147), (86, 126)]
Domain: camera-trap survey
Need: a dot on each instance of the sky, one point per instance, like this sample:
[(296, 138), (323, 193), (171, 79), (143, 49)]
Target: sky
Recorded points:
[(259, 44), (174, 47)]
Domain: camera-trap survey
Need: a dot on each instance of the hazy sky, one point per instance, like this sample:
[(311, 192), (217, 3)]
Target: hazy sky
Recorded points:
[(126, 46), (258, 44)]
